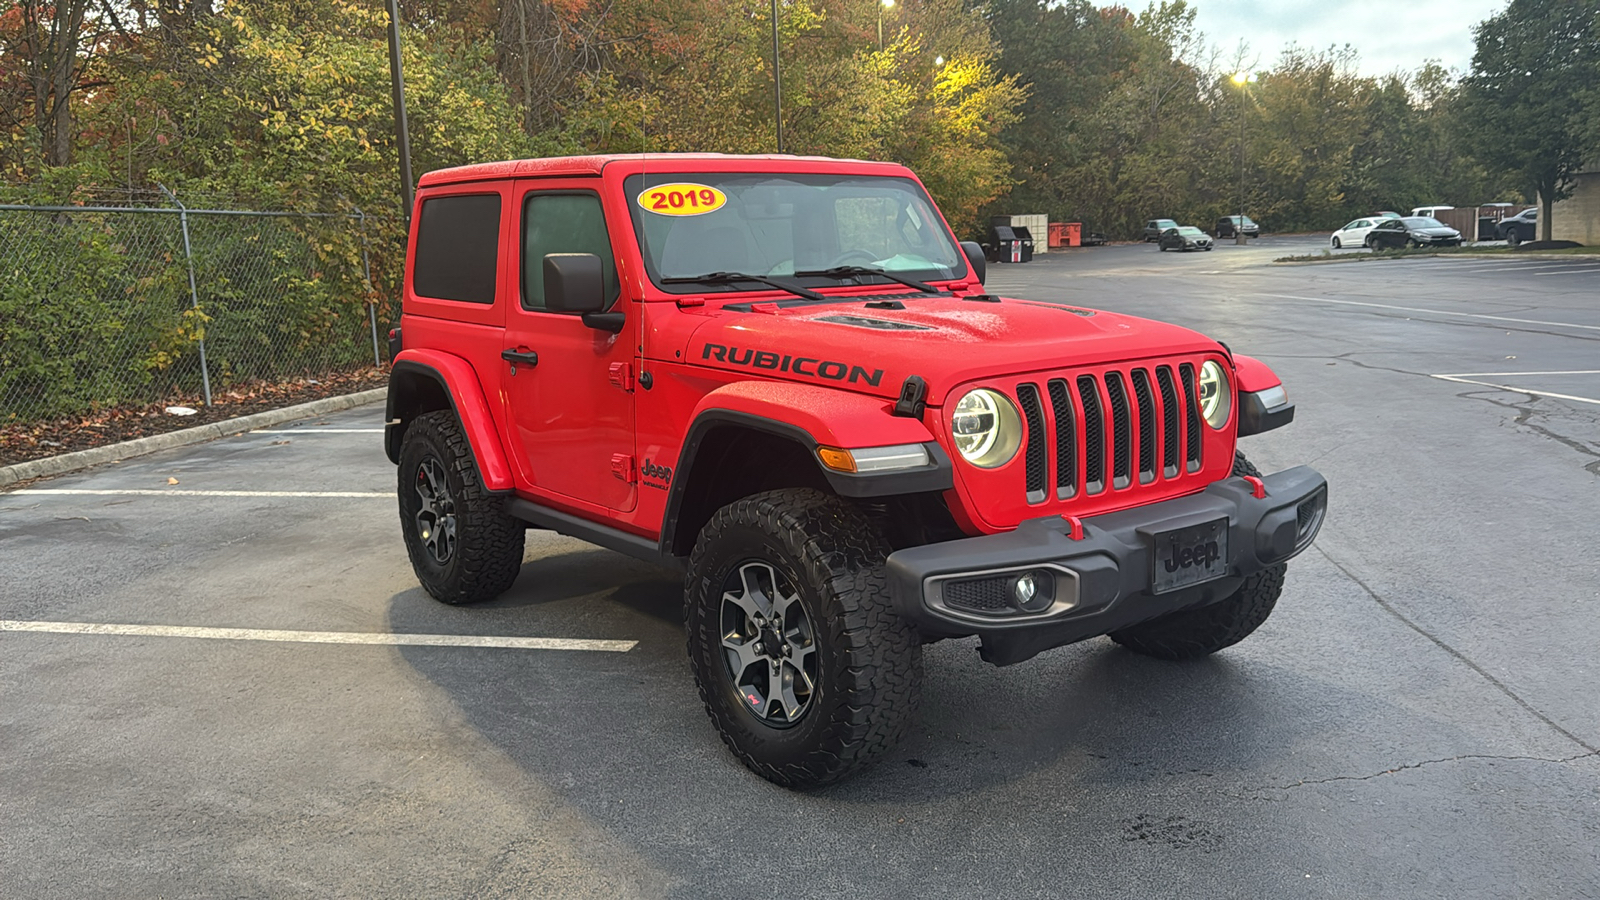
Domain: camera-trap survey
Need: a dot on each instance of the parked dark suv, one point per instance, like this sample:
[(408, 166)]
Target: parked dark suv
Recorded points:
[(1227, 224)]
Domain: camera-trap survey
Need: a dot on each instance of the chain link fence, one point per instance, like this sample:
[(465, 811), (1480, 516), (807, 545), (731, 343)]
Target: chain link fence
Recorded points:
[(132, 302)]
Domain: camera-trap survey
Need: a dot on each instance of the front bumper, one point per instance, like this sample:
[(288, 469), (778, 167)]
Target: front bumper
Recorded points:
[(1105, 580)]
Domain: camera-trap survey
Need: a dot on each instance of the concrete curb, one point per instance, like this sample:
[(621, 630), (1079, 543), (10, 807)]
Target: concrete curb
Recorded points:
[(83, 459), (1367, 257)]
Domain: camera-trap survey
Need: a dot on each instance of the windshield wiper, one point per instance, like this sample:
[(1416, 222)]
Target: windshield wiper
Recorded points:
[(848, 271), (732, 277)]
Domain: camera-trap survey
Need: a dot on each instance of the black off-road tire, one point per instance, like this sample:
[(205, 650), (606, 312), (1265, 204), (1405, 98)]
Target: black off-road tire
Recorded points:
[(868, 661), (1513, 236), (486, 553), (1192, 633)]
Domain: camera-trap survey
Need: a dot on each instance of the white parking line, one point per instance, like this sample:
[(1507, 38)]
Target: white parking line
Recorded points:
[(321, 637), (311, 429), (79, 492), (1569, 271), (1435, 312), (1519, 390)]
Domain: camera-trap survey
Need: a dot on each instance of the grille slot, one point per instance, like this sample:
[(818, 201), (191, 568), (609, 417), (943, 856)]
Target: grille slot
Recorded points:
[(1033, 414), (1169, 422), (1121, 432), (1094, 436), (1147, 425), (1191, 409), (1066, 439), (984, 595)]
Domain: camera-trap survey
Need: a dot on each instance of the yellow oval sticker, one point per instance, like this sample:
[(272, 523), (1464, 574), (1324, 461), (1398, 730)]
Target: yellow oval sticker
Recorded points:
[(682, 199)]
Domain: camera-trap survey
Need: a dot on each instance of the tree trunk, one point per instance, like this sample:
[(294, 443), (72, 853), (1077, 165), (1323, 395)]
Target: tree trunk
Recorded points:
[(1547, 190)]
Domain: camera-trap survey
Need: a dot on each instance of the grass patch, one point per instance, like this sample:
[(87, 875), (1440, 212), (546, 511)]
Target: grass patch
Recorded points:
[(1402, 253)]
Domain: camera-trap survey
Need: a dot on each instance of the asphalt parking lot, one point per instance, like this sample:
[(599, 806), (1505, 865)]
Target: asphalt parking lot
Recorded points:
[(1420, 718)]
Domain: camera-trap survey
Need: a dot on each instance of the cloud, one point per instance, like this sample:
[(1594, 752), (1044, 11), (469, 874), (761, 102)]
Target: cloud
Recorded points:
[(1387, 34)]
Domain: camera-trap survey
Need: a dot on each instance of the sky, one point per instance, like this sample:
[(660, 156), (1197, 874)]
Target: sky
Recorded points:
[(1388, 34)]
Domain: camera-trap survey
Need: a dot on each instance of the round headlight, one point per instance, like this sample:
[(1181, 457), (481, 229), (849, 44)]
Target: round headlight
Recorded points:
[(986, 428), (1216, 397)]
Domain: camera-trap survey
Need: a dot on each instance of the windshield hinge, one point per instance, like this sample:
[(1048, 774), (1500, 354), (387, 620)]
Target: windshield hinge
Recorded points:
[(913, 398)]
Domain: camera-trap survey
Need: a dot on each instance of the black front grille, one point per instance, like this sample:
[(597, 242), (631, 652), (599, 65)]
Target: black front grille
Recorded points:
[(1094, 436), (1191, 406), (984, 595), (1028, 396), (1066, 439), (1121, 432), (1147, 426), (1170, 432), (1137, 419)]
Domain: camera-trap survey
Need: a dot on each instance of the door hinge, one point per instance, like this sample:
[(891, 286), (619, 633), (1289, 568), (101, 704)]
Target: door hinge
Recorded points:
[(622, 466), (622, 375)]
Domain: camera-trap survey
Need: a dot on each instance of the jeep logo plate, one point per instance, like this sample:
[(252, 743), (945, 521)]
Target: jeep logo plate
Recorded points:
[(1191, 555)]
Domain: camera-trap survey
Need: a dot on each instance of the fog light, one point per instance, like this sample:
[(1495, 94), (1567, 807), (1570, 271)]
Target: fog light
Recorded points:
[(1034, 591)]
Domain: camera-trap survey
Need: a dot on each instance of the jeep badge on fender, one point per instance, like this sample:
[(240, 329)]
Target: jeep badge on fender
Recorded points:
[(868, 450)]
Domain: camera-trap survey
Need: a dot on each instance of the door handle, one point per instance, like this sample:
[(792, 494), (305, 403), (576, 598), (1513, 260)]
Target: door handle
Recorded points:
[(519, 358)]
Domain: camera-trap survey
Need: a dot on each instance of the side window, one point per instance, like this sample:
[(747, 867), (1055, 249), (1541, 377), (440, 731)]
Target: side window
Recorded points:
[(458, 248), (563, 223)]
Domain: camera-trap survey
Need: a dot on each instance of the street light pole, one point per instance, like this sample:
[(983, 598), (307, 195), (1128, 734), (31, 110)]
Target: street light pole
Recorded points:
[(402, 129), (777, 85), (882, 5), (1242, 79)]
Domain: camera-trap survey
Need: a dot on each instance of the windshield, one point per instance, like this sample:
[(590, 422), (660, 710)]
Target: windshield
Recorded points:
[(1190, 231), (774, 225), (1424, 222)]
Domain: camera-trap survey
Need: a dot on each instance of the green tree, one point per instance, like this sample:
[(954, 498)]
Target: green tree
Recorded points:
[(1525, 98)]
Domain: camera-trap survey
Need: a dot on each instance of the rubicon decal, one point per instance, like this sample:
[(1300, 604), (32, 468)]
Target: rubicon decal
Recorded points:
[(799, 365)]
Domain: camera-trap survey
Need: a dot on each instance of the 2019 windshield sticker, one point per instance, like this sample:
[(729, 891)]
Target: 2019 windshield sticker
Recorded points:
[(683, 199), (799, 365)]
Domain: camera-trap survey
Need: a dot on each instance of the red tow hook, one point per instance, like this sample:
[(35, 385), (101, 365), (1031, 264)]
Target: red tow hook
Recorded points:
[(1077, 527), (1257, 487)]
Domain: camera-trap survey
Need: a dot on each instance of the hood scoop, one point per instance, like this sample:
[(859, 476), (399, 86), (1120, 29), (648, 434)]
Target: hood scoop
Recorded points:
[(866, 322)]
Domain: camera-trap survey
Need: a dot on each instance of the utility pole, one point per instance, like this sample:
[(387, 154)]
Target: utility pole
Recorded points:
[(777, 84), (402, 129)]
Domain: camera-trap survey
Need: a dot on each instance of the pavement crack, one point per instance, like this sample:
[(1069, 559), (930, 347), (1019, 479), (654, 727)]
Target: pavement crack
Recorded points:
[(1559, 760), (1457, 654), (1525, 412)]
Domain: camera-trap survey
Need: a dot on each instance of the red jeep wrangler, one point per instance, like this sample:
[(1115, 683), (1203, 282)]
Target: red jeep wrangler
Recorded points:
[(783, 376)]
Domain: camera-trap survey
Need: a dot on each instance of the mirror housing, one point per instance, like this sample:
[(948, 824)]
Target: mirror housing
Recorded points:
[(975, 259), (575, 283)]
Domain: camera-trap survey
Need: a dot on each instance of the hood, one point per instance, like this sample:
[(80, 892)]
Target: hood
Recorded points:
[(947, 341)]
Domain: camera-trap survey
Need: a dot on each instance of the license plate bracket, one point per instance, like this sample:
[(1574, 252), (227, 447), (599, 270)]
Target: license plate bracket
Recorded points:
[(1189, 556)]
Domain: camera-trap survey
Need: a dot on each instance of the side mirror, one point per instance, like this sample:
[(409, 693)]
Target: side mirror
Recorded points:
[(975, 259), (575, 283)]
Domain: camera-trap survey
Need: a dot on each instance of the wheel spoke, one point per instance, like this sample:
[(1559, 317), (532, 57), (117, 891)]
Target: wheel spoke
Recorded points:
[(778, 693), (744, 650), (757, 579), (744, 601), (794, 691)]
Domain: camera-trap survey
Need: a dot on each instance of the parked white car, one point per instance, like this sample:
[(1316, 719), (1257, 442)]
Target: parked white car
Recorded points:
[(1355, 233), (1430, 211)]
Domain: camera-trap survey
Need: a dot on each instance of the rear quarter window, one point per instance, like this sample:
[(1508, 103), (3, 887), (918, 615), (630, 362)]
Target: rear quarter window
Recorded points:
[(458, 247)]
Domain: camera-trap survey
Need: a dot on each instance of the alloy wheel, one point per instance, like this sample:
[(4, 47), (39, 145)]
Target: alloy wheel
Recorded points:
[(768, 644), (436, 518)]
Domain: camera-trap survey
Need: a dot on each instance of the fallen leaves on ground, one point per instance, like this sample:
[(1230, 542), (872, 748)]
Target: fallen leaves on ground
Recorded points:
[(21, 441)]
